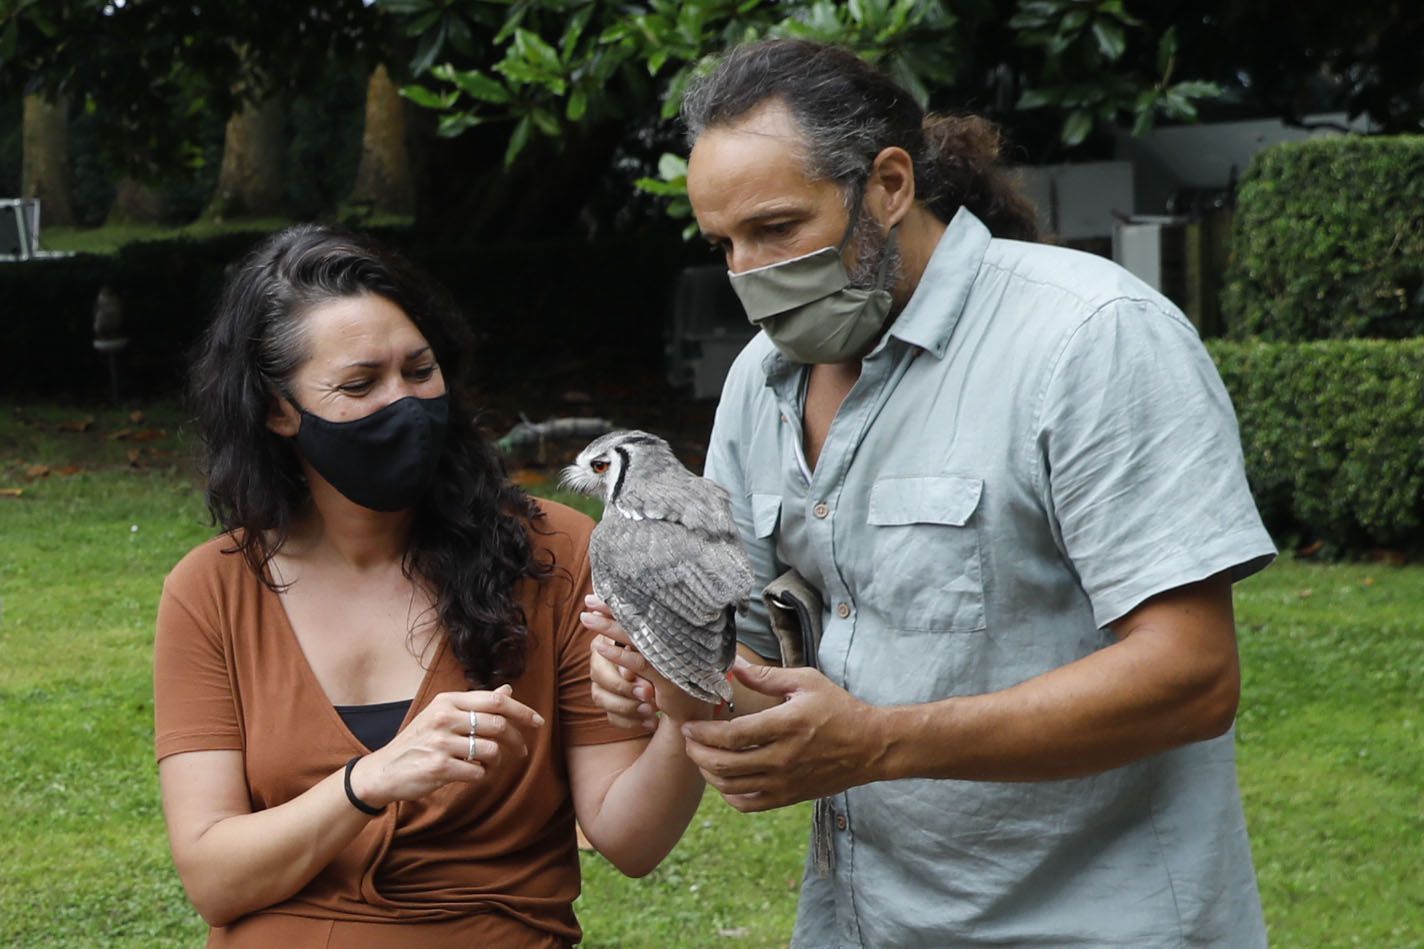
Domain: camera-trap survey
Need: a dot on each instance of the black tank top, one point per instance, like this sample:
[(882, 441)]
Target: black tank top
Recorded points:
[(375, 725)]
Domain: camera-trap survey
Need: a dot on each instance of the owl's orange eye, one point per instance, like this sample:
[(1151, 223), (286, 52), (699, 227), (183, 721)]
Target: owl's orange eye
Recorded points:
[(599, 466)]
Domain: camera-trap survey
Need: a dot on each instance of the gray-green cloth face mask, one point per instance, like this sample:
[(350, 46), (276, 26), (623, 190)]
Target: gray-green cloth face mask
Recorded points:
[(808, 308)]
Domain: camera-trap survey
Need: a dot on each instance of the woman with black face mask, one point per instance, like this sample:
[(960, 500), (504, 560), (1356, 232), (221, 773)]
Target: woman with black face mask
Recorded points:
[(372, 704)]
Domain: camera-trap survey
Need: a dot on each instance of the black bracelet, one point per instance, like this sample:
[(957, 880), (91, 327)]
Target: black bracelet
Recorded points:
[(356, 802)]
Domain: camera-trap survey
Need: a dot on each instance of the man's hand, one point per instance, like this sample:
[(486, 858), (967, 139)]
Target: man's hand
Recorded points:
[(818, 741)]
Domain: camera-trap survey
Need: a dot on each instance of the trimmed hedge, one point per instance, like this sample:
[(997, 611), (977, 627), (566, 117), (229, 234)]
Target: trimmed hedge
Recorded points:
[(531, 305), (168, 290), (1334, 437), (1329, 241)]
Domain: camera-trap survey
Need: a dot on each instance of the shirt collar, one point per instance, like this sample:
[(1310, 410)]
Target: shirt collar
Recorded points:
[(929, 318)]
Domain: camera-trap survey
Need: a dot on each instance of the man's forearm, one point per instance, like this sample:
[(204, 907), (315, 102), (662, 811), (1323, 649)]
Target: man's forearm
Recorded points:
[(1164, 684)]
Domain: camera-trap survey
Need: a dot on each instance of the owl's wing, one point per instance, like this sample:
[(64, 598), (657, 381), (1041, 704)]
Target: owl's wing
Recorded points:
[(682, 496), (675, 593)]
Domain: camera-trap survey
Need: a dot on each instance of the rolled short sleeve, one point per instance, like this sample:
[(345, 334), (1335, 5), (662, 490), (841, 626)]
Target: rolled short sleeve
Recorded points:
[(1141, 460), (755, 516), (194, 707)]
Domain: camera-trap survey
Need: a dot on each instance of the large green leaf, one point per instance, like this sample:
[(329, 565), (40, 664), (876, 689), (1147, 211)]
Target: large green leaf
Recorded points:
[(577, 105), (1076, 127), (672, 167), (428, 98), (1112, 42), (517, 140), (1197, 89), (1035, 99), (533, 47), (474, 83)]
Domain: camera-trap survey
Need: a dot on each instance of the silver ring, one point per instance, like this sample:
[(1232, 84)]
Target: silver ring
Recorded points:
[(470, 755)]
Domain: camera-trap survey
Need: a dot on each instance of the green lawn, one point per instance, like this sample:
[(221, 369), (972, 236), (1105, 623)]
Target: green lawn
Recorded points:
[(1332, 764)]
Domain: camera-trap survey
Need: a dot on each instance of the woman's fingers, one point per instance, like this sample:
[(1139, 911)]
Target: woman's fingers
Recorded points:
[(617, 691), (497, 731), (622, 670), (496, 720), (498, 702), (626, 658)]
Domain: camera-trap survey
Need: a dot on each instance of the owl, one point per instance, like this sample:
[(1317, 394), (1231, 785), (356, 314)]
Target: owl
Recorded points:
[(666, 558)]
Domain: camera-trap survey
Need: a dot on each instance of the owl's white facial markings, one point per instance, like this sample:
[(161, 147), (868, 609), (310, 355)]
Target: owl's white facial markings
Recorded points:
[(581, 478), (601, 467)]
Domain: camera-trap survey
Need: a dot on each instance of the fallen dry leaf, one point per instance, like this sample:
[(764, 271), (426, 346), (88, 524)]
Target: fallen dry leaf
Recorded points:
[(77, 425), (136, 416), (134, 454), (139, 435), (67, 470), (11, 492), (36, 471), (1306, 594)]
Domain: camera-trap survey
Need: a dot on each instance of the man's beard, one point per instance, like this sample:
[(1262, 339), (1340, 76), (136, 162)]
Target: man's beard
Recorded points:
[(873, 247)]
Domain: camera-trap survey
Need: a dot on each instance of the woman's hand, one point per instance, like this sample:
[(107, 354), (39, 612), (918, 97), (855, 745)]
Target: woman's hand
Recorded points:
[(625, 684), (435, 749)]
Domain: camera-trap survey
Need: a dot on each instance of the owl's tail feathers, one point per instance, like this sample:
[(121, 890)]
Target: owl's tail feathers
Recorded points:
[(714, 687), (728, 653)]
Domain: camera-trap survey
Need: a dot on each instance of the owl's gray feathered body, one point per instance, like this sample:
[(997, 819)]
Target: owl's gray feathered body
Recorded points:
[(666, 558)]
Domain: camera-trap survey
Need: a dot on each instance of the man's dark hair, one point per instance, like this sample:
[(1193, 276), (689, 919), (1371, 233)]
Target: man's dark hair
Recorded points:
[(470, 539), (848, 111)]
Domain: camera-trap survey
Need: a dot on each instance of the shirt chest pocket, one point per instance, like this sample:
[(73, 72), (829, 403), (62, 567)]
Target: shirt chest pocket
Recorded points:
[(927, 572)]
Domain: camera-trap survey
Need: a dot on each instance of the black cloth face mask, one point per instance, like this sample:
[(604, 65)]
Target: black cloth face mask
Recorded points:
[(385, 461)]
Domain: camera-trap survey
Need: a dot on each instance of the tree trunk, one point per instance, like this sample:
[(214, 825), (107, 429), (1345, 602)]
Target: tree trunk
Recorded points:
[(383, 178), (250, 179), (44, 164), (136, 202)]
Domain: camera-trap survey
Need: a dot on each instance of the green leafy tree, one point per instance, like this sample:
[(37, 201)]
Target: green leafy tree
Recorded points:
[(1290, 59), (151, 74), (551, 75), (563, 62), (1083, 74)]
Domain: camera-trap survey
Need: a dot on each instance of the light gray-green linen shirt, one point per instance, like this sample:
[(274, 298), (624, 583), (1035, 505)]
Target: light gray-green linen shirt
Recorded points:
[(1038, 445)]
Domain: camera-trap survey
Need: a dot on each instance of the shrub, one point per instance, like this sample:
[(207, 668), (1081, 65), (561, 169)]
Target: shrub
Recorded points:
[(533, 306), (168, 289), (1329, 241), (1334, 436)]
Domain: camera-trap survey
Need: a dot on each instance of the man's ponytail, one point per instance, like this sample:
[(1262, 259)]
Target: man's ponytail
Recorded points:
[(961, 166)]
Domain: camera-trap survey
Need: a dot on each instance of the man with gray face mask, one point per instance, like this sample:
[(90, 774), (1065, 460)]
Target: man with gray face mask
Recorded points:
[(1012, 475)]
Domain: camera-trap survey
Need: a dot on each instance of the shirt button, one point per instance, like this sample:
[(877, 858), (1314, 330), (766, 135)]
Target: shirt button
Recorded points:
[(840, 822), (821, 510), (843, 610)]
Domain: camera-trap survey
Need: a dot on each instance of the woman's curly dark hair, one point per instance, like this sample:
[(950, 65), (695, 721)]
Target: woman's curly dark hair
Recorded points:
[(470, 538)]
